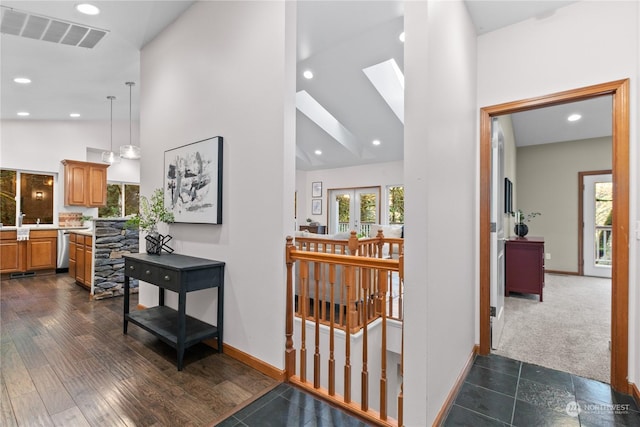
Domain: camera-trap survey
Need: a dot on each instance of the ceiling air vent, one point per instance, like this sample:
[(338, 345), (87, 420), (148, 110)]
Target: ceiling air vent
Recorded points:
[(38, 27)]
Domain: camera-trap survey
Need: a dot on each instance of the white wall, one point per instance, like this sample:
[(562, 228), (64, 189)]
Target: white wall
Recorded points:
[(375, 175), (227, 68), (582, 44), (441, 169)]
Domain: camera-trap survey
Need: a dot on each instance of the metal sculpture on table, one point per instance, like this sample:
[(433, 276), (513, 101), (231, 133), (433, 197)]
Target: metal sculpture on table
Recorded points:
[(157, 242)]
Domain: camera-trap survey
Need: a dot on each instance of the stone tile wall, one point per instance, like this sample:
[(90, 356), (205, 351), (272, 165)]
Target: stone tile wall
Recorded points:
[(112, 240)]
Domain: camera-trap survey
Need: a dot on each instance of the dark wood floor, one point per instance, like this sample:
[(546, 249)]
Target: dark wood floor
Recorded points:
[(64, 361)]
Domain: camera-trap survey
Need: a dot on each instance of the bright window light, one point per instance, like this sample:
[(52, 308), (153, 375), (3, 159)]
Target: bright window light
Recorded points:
[(388, 80), (574, 117), (87, 9)]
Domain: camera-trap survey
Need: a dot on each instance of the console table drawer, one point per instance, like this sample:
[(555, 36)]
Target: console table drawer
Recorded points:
[(169, 278)]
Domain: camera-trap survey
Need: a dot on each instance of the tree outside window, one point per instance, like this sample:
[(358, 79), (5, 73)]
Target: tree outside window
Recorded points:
[(396, 204)]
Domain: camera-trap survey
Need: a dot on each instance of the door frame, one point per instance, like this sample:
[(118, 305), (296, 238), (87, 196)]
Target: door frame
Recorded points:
[(619, 90), (581, 176)]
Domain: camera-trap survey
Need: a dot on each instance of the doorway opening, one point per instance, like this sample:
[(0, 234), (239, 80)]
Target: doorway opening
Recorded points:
[(619, 91)]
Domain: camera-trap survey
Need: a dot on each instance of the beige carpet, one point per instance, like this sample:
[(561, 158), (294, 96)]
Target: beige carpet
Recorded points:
[(569, 331)]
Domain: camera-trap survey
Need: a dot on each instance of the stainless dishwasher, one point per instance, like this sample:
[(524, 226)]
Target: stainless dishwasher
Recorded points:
[(63, 250)]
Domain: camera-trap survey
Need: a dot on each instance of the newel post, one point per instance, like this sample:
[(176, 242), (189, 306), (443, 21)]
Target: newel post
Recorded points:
[(290, 352)]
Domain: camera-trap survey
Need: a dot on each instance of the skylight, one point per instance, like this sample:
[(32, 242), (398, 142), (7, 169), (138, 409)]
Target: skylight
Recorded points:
[(320, 116), (388, 80)]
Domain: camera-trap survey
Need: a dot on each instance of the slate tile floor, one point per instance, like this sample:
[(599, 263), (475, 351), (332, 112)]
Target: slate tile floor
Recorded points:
[(286, 405), (497, 392), (504, 392)]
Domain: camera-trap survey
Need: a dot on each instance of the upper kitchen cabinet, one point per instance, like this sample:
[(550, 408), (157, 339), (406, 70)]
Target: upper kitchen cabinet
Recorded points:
[(85, 183)]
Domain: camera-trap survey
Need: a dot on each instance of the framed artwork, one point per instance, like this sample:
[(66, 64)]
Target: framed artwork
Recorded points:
[(316, 189), (193, 181), (316, 206), (508, 196)]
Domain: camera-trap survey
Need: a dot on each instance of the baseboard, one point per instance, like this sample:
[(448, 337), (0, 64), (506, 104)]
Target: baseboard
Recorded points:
[(241, 356), (564, 273), (448, 403), (249, 360)]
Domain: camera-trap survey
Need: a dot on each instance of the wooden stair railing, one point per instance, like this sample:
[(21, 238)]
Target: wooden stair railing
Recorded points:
[(363, 285)]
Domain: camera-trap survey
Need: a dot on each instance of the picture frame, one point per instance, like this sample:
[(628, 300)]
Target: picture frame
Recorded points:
[(193, 181), (316, 207), (508, 196), (316, 189)]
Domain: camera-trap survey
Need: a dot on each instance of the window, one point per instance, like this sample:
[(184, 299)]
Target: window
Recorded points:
[(120, 195), (28, 193), (396, 204)]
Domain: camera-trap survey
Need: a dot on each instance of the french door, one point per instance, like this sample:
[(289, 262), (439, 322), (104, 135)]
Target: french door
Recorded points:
[(353, 209), (597, 211)]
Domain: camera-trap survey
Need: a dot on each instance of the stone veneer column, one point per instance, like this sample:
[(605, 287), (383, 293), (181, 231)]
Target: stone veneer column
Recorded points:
[(112, 240)]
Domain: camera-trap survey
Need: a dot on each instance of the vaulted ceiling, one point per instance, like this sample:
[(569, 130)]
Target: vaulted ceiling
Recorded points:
[(352, 48)]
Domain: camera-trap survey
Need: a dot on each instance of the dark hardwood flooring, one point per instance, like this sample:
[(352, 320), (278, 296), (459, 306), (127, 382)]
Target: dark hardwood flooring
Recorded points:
[(65, 361)]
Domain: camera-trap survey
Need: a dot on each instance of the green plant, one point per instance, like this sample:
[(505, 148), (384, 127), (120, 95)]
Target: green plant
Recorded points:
[(521, 218), (84, 218), (152, 211)]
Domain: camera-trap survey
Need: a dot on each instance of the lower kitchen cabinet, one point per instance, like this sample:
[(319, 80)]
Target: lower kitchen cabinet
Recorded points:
[(22, 256), (81, 258)]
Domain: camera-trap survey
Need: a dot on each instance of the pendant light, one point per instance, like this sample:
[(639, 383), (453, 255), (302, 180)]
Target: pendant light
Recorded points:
[(130, 151), (109, 156)]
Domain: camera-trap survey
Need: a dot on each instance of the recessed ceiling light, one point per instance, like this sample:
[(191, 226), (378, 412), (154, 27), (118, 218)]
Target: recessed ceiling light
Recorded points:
[(574, 117), (23, 113), (318, 152), (308, 74), (22, 80), (87, 9), (74, 114), (401, 37), (376, 142)]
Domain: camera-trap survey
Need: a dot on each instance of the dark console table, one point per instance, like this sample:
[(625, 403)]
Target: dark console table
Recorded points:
[(181, 274), (524, 265)]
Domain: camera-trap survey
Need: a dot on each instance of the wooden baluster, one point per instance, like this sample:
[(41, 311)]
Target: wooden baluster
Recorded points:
[(364, 378), (332, 318), (290, 352), (390, 290), (350, 319), (383, 350), (380, 242), (304, 282), (316, 316), (353, 244)]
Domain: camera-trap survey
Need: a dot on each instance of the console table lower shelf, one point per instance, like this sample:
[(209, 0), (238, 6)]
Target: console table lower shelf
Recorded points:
[(162, 322)]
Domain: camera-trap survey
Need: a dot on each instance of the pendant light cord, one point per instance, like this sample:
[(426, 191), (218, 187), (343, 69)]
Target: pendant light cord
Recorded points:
[(111, 98)]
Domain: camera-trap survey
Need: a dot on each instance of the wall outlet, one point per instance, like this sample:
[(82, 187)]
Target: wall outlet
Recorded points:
[(547, 255)]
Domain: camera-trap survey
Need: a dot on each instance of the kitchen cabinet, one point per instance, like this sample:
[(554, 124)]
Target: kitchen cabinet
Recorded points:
[(21, 256), (81, 258), (524, 265), (42, 250), (72, 254), (85, 183), (12, 253)]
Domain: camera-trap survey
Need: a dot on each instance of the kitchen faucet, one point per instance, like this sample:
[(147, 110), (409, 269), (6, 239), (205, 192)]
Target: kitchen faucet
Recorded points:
[(20, 217)]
